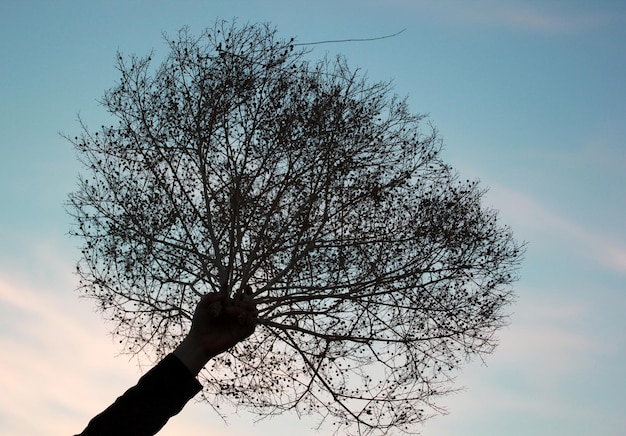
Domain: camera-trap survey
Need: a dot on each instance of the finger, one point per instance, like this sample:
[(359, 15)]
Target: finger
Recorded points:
[(240, 310), (244, 318), (211, 303), (212, 297)]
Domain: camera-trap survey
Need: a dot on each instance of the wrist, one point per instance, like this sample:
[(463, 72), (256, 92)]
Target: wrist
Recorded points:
[(191, 354)]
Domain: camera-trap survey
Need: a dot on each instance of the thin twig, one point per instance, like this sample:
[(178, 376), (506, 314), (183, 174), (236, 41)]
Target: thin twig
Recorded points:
[(332, 41)]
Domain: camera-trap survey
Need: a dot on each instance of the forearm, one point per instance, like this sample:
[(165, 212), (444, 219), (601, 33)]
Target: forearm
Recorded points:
[(143, 409)]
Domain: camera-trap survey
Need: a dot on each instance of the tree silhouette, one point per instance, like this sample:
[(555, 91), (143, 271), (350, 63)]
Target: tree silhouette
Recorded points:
[(239, 162)]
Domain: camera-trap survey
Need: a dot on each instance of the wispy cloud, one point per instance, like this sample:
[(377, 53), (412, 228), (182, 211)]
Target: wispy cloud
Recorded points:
[(58, 369), (524, 212), (549, 345), (541, 17), (56, 363), (550, 338)]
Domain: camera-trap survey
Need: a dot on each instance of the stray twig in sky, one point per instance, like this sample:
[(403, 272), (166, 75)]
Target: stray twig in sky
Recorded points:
[(330, 41)]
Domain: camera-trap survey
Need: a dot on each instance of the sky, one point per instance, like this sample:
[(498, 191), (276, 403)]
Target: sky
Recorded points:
[(529, 97)]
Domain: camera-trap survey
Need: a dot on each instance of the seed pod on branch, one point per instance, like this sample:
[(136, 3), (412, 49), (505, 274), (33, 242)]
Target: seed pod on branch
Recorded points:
[(240, 166)]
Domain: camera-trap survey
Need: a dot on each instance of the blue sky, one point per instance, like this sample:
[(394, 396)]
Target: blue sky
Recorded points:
[(529, 96)]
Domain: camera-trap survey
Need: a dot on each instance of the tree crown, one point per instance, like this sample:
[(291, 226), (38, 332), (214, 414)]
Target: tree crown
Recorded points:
[(238, 162)]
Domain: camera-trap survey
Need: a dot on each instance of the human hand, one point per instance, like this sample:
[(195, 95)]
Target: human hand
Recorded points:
[(219, 323)]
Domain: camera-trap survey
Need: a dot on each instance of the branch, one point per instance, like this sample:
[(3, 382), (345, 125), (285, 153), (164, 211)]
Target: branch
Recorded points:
[(333, 41)]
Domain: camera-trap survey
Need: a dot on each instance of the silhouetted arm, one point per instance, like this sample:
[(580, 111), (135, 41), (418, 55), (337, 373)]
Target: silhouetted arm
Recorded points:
[(164, 390)]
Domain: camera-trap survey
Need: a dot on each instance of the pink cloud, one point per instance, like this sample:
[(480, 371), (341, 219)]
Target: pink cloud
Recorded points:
[(58, 364)]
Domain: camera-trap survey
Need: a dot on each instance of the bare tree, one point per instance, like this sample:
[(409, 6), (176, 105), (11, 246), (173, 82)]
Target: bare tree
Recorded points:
[(239, 162)]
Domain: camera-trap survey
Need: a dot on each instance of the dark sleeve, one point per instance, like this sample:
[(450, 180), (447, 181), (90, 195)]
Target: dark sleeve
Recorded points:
[(145, 408)]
